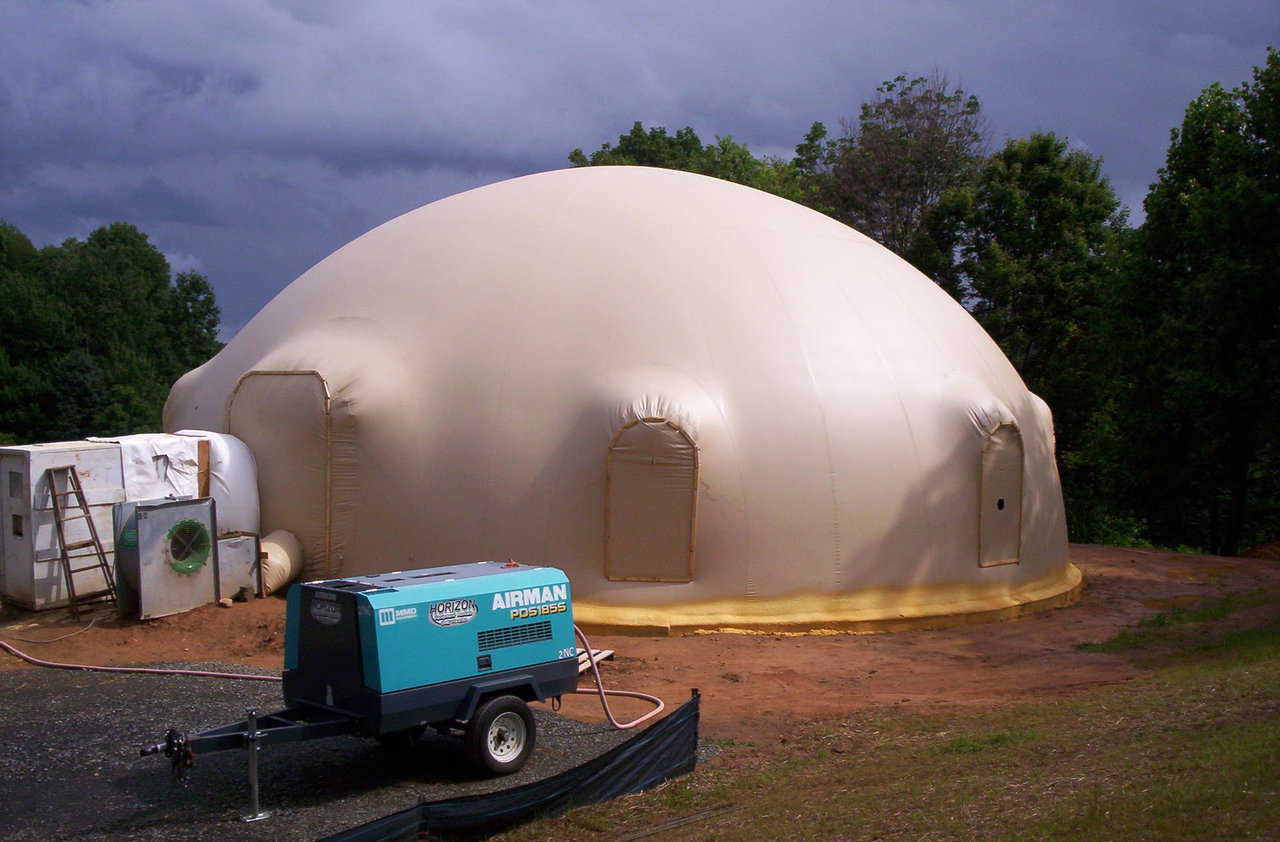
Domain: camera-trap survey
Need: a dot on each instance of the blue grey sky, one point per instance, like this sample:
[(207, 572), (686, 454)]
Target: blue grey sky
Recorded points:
[(251, 138)]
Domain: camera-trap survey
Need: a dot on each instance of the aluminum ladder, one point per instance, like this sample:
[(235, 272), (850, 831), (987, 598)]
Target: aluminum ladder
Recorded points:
[(73, 490)]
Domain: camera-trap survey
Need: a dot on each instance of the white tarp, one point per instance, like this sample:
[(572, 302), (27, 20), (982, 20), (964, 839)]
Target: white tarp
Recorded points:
[(233, 481), (157, 465)]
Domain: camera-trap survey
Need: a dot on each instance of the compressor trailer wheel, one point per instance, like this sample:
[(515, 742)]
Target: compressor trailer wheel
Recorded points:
[(501, 735)]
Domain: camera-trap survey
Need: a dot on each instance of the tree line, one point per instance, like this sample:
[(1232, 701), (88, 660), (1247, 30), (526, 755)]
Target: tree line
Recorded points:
[(93, 334), (1155, 345)]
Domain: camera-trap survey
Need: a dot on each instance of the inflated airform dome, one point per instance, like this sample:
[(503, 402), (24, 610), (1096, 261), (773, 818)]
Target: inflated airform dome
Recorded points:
[(710, 406)]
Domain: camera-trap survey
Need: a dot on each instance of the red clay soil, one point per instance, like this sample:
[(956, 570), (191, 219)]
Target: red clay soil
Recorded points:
[(756, 687)]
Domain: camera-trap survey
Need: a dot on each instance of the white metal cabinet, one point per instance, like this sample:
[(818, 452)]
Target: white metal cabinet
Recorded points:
[(29, 551)]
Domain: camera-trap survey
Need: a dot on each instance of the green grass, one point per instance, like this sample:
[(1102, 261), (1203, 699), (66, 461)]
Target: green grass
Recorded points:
[(968, 745), (1164, 628), (1243, 646), (1222, 786), (1191, 752)]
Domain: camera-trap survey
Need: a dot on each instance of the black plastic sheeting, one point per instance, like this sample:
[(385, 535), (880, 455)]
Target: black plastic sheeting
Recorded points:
[(663, 750)]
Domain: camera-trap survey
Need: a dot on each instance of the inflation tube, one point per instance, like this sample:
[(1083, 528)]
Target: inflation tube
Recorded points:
[(586, 644), (599, 688), (283, 563), (12, 650)]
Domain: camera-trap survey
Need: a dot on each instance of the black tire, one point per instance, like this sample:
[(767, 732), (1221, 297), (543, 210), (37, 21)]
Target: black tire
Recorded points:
[(501, 735)]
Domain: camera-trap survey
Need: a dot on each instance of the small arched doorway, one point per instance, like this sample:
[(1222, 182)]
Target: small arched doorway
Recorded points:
[(651, 497), (283, 416), (1000, 512)]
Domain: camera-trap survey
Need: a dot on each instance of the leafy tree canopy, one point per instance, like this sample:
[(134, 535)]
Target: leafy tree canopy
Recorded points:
[(912, 142), (726, 158), (93, 333), (1202, 305), (1026, 246)]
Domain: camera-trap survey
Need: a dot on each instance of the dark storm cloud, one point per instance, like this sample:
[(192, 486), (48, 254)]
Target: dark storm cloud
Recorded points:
[(151, 199), (256, 137)]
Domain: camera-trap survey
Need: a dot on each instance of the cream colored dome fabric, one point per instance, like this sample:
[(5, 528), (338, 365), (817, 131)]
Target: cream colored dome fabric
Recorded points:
[(708, 405)]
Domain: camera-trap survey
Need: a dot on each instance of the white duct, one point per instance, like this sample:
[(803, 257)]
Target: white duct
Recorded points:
[(283, 560), (233, 481)]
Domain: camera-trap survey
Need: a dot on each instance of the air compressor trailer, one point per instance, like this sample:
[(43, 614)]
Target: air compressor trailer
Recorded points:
[(460, 648)]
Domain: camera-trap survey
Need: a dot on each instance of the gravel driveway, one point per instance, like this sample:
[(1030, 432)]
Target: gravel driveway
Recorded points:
[(71, 770)]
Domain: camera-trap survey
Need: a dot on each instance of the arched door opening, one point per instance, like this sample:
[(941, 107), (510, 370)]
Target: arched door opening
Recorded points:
[(651, 502), (284, 415), (1000, 515)]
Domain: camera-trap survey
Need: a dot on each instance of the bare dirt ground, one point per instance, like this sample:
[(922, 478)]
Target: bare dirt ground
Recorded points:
[(756, 687)]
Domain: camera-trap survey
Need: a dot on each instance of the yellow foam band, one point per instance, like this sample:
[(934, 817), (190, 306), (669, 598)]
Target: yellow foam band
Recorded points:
[(873, 610)]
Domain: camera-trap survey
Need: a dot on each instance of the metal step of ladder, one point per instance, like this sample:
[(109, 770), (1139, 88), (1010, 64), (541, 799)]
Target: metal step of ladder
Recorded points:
[(71, 489)]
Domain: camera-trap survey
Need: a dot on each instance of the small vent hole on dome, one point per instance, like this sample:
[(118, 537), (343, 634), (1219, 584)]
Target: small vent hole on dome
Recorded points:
[(1000, 504)]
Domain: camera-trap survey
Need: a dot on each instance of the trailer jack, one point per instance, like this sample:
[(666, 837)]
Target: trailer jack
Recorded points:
[(251, 734), (253, 744)]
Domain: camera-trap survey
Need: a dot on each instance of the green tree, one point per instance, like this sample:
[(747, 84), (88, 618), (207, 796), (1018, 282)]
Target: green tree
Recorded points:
[(1202, 307), (93, 334), (193, 325), (651, 148), (1029, 247), (914, 141), (812, 169), (726, 159), (1026, 246), (36, 326), (17, 254)]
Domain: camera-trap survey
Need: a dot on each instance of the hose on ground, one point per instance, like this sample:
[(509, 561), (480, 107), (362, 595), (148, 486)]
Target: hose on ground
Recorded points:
[(603, 693), (599, 689), (53, 639), (18, 653)]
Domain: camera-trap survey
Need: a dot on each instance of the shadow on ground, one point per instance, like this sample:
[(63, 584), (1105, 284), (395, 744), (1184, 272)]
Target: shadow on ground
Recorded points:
[(72, 769)]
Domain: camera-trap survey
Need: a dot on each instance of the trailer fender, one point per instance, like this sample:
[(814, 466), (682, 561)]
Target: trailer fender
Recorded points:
[(480, 689)]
